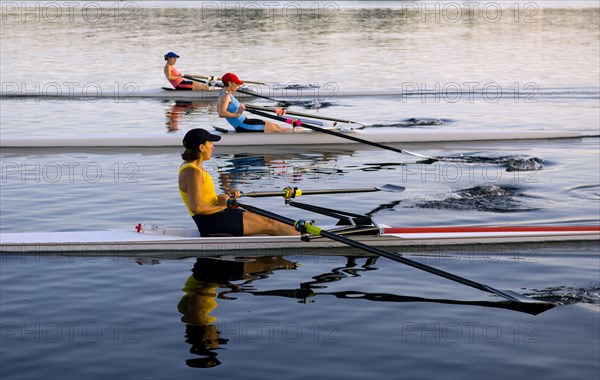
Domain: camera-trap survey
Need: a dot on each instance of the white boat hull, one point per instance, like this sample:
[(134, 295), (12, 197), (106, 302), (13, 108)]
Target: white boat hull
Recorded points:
[(300, 94), (132, 243), (378, 135)]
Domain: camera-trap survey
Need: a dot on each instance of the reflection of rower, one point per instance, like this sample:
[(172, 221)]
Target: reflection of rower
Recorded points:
[(183, 107), (200, 300)]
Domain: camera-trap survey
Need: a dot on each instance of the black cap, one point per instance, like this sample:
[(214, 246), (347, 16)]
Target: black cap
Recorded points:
[(197, 136)]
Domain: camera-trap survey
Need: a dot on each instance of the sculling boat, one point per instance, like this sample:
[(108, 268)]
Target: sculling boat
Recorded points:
[(132, 242), (366, 236), (329, 92), (165, 93), (376, 135), (363, 230)]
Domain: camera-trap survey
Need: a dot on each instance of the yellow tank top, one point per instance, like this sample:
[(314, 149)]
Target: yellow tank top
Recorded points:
[(205, 301), (207, 190)]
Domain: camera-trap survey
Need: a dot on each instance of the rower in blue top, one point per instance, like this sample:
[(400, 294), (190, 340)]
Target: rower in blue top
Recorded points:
[(232, 110)]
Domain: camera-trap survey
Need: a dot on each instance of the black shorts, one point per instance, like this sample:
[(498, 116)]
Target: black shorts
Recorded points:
[(229, 221), (251, 125)]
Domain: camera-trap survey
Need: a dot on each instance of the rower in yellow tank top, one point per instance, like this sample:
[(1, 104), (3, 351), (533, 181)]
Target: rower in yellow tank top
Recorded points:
[(210, 211), (207, 188)]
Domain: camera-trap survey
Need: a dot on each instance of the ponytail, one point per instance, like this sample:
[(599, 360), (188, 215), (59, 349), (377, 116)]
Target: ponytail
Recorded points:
[(191, 154)]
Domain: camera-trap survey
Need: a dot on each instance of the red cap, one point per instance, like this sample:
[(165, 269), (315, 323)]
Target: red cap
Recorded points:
[(231, 77)]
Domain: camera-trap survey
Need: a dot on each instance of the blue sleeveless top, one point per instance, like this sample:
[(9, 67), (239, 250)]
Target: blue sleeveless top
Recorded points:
[(233, 108)]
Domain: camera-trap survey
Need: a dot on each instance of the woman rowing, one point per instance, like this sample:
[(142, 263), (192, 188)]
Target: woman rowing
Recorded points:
[(177, 79), (209, 210), (231, 109)]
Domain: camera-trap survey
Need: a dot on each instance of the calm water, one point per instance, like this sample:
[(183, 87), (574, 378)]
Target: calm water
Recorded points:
[(295, 314)]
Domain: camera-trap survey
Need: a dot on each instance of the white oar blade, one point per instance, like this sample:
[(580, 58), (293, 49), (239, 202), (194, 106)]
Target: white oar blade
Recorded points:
[(391, 188), (418, 155)]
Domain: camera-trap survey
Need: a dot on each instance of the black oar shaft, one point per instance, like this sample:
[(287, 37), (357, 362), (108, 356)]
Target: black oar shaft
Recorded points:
[(252, 93), (403, 260), (423, 267), (333, 133), (327, 211), (268, 214), (213, 78), (288, 112), (380, 252)]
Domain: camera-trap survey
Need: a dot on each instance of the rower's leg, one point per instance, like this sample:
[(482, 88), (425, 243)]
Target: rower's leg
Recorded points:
[(255, 224), (272, 127), (197, 86)]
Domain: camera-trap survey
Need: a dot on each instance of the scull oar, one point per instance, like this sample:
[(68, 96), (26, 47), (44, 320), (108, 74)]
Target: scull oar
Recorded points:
[(281, 111), (290, 192), (305, 292), (252, 93), (213, 78), (307, 227), (298, 123)]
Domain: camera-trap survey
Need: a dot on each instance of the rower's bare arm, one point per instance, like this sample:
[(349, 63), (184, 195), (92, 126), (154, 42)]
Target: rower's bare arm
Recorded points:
[(224, 103)]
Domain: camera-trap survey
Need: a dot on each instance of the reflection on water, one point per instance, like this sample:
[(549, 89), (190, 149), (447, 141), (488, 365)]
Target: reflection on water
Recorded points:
[(247, 169), (489, 198), (215, 280), (202, 291), (559, 54), (181, 109), (427, 45)]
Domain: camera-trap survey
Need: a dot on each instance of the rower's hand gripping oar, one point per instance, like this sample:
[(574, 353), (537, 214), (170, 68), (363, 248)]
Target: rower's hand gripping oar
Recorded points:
[(305, 227), (298, 123)]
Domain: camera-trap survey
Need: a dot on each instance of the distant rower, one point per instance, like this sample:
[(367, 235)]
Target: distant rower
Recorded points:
[(176, 78)]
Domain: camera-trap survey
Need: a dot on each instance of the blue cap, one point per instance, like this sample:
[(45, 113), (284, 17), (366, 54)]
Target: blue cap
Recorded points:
[(171, 55)]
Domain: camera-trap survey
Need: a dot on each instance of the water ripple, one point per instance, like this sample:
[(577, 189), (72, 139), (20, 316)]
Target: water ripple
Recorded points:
[(564, 295), (413, 122), (512, 162), (488, 198), (590, 192)]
